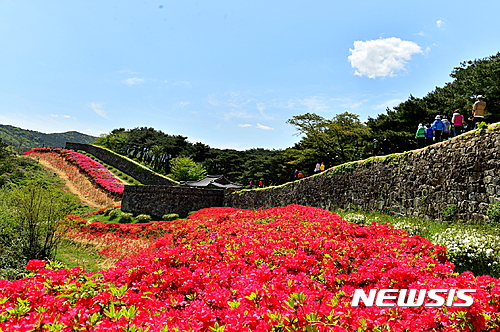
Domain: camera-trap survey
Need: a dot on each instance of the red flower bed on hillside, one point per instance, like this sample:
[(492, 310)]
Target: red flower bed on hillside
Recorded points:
[(282, 269), (99, 174)]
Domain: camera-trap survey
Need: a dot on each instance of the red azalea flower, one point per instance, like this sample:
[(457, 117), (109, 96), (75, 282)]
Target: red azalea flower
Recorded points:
[(35, 265)]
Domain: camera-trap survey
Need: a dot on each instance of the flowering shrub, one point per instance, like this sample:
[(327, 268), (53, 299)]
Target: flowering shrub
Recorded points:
[(411, 227), (357, 218), (35, 265), (100, 175), (279, 269), (471, 250)]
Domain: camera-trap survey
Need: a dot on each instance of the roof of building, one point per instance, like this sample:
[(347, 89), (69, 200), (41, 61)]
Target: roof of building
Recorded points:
[(219, 181)]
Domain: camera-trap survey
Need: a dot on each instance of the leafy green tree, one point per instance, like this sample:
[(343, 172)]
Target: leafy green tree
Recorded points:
[(336, 140), (470, 79), (116, 140), (36, 213), (185, 169), (270, 166)]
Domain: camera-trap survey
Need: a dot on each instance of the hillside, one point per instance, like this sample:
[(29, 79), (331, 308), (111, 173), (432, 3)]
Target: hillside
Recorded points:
[(24, 139)]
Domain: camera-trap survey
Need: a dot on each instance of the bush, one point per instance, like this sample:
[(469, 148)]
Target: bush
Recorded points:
[(411, 227), (450, 212), (108, 211), (115, 213), (32, 219), (126, 217), (357, 218), (170, 216), (471, 250), (143, 218), (493, 213)]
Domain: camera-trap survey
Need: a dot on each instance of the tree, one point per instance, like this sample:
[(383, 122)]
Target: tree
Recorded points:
[(337, 141), (37, 211), (470, 79), (185, 169)]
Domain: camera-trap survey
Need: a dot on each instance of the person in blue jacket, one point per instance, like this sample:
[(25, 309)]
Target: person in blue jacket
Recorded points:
[(438, 127), (429, 135)]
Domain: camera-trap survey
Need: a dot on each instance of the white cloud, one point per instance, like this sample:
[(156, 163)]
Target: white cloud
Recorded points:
[(96, 107), (258, 125), (182, 104), (381, 57), (316, 103), (389, 103), (127, 71), (235, 114), (182, 83), (60, 116), (134, 81), (439, 23)]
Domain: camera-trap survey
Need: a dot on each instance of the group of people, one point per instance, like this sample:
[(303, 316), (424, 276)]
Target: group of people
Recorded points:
[(319, 167), (383, 147), (442, 129)]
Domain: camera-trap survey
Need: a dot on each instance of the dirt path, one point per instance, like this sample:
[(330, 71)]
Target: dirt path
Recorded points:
[(73, 189)]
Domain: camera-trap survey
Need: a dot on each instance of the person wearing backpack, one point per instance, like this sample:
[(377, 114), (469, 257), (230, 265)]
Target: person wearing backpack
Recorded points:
[(447, 128), (420, 136), (438, 127), (458, 122)]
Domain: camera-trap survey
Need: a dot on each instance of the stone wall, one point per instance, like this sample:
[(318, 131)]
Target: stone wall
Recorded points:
[(161, 200), (128, 166), (460, 174)]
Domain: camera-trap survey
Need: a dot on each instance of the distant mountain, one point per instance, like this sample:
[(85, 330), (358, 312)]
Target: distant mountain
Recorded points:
[(24, 139)]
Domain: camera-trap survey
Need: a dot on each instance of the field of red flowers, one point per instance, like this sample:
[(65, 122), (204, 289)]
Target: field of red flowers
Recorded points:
[(291, 268)]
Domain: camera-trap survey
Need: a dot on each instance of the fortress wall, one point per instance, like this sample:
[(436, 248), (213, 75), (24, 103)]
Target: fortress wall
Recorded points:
[(460, 174), (161, 200), (125, 165)]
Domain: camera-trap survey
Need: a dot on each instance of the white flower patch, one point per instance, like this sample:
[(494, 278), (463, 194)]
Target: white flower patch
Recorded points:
[(357, 218), (469, 249), (411, 228)]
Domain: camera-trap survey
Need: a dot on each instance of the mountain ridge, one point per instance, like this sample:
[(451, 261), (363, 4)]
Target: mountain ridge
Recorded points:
[(26, 139)]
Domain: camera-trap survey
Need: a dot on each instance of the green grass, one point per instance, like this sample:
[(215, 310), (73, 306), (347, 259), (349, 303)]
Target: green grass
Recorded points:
[(72, 254)]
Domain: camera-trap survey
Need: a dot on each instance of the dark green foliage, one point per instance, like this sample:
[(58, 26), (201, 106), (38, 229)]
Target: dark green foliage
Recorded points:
[(335, 141), (471, 78), (22, 140)]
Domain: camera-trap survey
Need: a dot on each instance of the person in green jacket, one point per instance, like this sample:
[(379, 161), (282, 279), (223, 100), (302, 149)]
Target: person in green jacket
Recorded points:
[(420, 136)]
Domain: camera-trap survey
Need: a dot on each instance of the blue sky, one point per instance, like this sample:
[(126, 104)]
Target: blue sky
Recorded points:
[(227, 73)]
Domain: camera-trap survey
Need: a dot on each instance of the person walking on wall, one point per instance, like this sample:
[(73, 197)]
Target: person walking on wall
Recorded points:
[(478, 110), (458, 123), (376, 146), (322, 167), (386, 146), (429, 135), (438, 127), (446, 129), (316, 169), (420, 136)]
